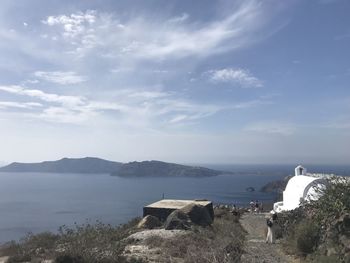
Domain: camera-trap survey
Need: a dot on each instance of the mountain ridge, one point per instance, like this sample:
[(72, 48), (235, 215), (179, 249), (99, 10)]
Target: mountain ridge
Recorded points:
[(65, 165), (90, 165), (163, 169)]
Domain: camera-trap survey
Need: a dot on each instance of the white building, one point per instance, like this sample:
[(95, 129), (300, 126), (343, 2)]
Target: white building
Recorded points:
[(301, 187)]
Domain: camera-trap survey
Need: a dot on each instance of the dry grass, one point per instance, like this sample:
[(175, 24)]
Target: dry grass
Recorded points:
[(83, 243), (222, 242)]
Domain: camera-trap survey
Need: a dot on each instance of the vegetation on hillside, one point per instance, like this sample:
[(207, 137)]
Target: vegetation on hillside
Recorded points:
[(83, 243), (319, 231), (220, 242)]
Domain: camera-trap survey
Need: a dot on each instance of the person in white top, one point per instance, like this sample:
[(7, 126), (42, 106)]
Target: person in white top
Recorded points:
[(271, 221)]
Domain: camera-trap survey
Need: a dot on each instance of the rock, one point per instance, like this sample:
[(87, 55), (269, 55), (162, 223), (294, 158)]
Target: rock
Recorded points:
[(154, 233), (149, 222), (345, 242), (178, 220), (250, 189), (345, 224), (198, 214), (332, 251), (347, 258), (277, 186)]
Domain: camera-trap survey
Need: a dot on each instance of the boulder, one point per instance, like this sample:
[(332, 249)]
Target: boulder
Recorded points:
[(177, 220), (198, 214), (149, 222)]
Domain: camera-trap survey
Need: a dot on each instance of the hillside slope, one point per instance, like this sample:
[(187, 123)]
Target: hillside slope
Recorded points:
[(65, 165), (163, 169), (96, 165)]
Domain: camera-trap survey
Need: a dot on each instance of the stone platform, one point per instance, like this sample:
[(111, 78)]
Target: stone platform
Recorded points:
[(165, 207)]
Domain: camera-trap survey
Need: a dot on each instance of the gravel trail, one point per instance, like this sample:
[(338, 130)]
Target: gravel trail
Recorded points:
[(256, 250)]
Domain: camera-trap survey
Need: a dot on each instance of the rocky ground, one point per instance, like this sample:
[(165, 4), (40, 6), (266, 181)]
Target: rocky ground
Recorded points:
[(256, 250), (221, 242), (140, 249)]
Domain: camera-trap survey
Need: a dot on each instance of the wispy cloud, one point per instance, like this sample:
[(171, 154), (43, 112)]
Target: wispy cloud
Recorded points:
[(253, 103), (272, 127), (48, 97), (61, 108), (179, 19), (176, 37), (134, 107), (20, 105), (74, 24), (239, 76), (60, 77)]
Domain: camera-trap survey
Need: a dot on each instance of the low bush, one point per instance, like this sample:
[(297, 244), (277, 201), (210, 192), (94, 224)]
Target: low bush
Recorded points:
[(306, 237), (82, 243), (324, 259), (19, 258), (320, 227), (222, 242)]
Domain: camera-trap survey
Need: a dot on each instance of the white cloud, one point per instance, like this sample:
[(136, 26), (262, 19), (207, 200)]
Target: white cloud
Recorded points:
[(62, 108), (159, 38), (272, 127), (74, 24), (121, 70), (60, 77), (148, 94), (178, 118), (179, 19), (48, 97), (31, 81), (238, 76), (21, 105), (135, 106), (252, 103)]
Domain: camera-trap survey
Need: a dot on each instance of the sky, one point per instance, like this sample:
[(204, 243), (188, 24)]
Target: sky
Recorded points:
[(196, 81)]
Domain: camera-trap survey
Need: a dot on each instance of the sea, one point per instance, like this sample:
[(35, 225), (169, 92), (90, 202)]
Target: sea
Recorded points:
[(38, 202)]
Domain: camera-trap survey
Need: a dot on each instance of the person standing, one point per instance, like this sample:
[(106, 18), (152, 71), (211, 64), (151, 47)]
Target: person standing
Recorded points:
[(257, 206), (252, 206), (261, 208), (270, 222)]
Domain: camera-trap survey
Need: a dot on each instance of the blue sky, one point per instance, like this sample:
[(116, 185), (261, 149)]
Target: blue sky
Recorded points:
[(183, 81)]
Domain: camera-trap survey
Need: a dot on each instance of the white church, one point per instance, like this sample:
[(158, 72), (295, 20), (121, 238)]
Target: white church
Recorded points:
[(300, 188)]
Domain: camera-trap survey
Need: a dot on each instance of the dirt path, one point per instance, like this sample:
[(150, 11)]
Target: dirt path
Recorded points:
[(256, 250)]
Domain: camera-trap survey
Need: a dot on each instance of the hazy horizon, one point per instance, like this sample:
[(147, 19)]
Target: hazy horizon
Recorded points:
[(2, 163), (221, 82)]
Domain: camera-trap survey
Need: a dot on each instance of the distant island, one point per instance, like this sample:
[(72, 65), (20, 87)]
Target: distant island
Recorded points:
[(163, 169), (91, 165), (277, 186)]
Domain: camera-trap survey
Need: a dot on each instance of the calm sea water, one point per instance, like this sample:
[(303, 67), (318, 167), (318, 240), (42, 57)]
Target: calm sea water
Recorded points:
[(36, 202)]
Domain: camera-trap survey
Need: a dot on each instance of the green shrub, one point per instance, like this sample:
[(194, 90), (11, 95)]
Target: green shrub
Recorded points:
[(83, 243), (222, 242), (316, 228), (10, 249), (307, 237), (19, 258), (324, 259), (334, 202), (39, 243), (95, 242), (69, 259)]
